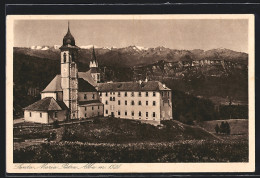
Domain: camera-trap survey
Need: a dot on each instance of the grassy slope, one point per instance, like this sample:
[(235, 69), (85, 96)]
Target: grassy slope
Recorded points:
[(122, 131), (118, 140)]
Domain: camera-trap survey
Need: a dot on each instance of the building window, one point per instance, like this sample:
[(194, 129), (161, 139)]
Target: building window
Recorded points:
[(125, 113), (140, 94), (162, 93), (133, 113), (111, 99), (106, 93), (153, 114), (125, 102), (133, 103), (153, 103), (146, 103), (139, 103), (114, 98), (85, 96), (111, 93), (146, 114), (119, 113), (119, 94), (30, 114), (93, 96), (140, 113), (92, 107), (168, 94), (85, 108), (119, 102), (106, 102), (40, 114), (154, 94), (146, 94), (132, 94), (98, 77), (64, 57), (100, 93), (98, 107), (125, 93), (106, 111), (85, 115)]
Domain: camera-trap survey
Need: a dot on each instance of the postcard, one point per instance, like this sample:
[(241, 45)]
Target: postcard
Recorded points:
[(130, 93)]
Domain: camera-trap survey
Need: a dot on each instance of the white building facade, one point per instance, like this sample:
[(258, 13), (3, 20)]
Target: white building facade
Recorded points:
[(132, 100)]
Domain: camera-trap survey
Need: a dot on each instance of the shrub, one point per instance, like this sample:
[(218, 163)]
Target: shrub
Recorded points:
[(56, 124)]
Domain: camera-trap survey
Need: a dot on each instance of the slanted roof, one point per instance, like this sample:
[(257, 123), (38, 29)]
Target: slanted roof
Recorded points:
[(84, 86), (87, 76), (132, 86), (54, 85), (47, 104), (91, 102)]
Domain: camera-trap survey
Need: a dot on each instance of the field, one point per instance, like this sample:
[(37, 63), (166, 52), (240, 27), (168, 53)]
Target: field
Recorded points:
[(238, 127), (189, 151), (117, 140)]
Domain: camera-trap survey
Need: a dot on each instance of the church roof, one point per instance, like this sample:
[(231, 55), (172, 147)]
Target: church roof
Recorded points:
[(54, 85), (132, 86), (84, 86), (47, 104), (87, 76)]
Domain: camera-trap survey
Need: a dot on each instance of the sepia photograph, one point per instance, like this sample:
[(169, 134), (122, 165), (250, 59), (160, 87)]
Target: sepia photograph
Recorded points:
[(98, 92)]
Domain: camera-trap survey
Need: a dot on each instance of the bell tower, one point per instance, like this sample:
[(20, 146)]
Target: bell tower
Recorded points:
[(93, 65), (69, 73)]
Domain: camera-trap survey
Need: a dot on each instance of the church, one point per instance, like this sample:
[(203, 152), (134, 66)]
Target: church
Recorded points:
[(71, 94), (79, 95)]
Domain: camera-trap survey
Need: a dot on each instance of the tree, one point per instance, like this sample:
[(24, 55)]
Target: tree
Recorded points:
[(227, 128), (217, 128), (222, 127)]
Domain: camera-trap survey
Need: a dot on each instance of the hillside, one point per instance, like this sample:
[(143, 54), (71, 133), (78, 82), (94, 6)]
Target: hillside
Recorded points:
[(122, 141), (115, 130)]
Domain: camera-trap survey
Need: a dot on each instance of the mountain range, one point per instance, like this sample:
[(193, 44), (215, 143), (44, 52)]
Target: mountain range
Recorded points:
[(135, 55)]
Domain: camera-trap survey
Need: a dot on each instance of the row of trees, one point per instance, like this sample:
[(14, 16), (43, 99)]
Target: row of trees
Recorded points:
[(223, 128)]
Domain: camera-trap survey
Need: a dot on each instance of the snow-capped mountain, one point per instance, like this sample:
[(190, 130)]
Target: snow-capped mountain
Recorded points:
[(141, 48), (89, 47)]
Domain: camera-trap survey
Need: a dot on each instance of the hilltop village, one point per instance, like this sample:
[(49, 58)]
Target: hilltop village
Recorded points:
[(80, 95)]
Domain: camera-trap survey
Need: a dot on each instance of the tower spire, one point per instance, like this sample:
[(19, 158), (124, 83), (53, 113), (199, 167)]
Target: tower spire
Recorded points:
[(93, 54), (68, 26)]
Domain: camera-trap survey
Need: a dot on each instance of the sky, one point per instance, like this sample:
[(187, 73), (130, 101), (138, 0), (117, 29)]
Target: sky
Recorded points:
[(172, 33)]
